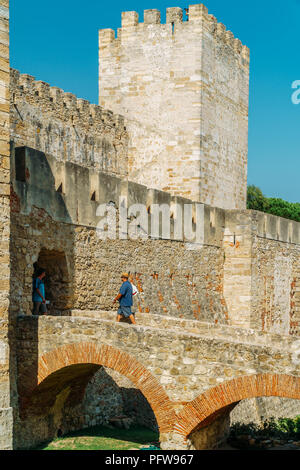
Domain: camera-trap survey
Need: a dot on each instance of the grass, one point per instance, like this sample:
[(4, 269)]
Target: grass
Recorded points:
[(102, 438)]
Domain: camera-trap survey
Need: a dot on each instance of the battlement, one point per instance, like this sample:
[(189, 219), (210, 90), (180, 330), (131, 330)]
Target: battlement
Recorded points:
[(78, 108), (195, 15), (67, 127)]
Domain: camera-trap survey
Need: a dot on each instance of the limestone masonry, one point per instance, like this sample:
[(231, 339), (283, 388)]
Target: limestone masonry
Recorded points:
[(218, 321)]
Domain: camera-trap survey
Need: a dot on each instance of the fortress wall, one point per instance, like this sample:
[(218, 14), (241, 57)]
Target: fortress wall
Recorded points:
[(184, 283), (187, 82), (173, 278), (261, 283), (70, 129), (5, 358), (257, 273)]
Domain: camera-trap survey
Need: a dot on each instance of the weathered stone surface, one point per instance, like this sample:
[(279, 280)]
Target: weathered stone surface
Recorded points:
[(183, 89)]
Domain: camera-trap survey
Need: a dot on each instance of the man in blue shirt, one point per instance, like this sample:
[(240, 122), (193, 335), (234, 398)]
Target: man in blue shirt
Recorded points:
[(125, 300), (38, 295)]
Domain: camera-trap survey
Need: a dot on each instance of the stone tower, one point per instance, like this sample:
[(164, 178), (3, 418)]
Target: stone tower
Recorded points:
[(183, 89)]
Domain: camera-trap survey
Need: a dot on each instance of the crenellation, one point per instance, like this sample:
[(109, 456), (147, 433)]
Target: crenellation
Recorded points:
[(131, 26), (91, 135), (221, 31), (95, 111), (83, 105), (26, 80), (42, 88), (212, 23), (246, 53), (237, 45), (106, 37), (152, 17), (179, 57), (56, 94), (70, 100), (229, 38), (197, 12), (129, 18), (174, 15)]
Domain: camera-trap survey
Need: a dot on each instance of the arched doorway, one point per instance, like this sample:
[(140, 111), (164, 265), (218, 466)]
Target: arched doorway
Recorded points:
[(57, 281)]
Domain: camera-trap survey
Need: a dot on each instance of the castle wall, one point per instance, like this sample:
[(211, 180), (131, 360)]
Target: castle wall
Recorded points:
[(261, 271), (70, 129), (183, 87), (180, 282), (5, 401)]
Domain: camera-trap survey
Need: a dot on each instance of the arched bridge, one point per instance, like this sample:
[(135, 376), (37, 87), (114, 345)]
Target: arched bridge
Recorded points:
[(190, 372)]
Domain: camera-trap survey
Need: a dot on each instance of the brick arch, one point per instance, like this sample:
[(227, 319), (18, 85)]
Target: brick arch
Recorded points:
[(120, 361), (209, 404)]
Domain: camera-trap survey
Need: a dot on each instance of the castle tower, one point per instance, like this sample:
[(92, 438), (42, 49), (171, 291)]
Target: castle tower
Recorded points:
[(183, 89)]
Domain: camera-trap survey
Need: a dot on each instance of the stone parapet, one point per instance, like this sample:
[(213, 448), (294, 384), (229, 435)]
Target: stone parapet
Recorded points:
[(67, 127)]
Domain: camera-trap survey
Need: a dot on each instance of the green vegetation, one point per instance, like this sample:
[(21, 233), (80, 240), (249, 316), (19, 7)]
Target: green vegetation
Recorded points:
[(257, 201), (282, 428), (103, 438)]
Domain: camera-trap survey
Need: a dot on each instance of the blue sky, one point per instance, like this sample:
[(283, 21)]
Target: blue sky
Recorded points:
[(57, 42)]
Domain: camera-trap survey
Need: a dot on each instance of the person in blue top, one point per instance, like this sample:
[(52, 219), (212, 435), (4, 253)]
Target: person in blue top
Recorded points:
[(125, 300), (38, 295)]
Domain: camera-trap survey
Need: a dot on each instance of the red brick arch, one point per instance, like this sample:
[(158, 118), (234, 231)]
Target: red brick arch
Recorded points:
[(215, 399), (120, 361)]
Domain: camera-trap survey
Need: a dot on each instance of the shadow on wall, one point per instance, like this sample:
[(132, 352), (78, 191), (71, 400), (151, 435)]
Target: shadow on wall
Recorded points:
[(41, 234), (78, 397), (57, 281)]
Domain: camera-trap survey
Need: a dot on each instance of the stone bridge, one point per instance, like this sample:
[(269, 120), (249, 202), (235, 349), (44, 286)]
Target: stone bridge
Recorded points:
[(191, 373)]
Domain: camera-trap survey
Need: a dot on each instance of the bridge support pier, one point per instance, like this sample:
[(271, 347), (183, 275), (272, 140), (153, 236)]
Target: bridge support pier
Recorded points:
[(208, 436), (173, 441)]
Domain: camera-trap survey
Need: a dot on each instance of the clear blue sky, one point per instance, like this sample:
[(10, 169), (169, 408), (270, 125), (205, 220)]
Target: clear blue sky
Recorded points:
[(57, 42)]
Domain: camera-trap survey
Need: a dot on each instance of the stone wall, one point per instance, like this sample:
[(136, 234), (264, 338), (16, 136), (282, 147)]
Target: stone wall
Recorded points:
[(183, 88), (61, 230), (187, 285), (261, 271), (212, 436), (257, 410), (70, 129), (5, 401)]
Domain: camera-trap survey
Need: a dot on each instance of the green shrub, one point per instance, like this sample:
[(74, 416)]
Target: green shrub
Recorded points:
[(276, 206), (285, 428)]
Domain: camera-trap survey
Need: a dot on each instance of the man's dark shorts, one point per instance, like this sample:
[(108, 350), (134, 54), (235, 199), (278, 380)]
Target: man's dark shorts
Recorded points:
[(39, 308), (124, 311)]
